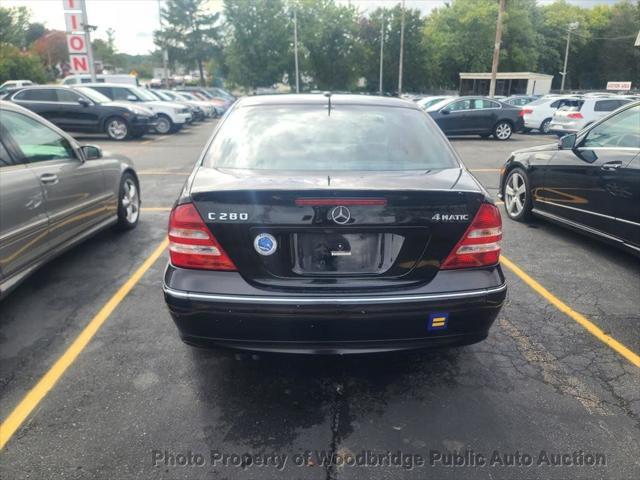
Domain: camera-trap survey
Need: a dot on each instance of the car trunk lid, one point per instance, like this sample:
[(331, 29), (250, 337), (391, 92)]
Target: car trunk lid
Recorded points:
[(324, 231)]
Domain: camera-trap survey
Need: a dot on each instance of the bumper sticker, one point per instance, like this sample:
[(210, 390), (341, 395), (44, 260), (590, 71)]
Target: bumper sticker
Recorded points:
[(438, 321)]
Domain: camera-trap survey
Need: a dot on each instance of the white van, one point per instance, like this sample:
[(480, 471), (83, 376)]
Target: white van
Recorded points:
[(101, 78)]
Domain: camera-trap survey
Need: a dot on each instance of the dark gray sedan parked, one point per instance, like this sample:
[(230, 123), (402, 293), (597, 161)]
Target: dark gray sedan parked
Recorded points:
[(477, 116), (55, 193)]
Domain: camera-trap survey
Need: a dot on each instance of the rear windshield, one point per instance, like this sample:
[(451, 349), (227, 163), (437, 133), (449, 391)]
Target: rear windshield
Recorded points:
[(306, 137)]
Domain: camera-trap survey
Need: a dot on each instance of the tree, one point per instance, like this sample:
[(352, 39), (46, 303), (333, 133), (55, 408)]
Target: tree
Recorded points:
[(259, 42), (618, 59), (328, 33), (34, 32), (415, 68), (520, 37), (190, 31), (15, 65), (52, 48), (14, 24), (556, 18), (459, 37)]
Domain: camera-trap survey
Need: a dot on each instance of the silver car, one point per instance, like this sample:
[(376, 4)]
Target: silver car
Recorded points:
[(55, 193)]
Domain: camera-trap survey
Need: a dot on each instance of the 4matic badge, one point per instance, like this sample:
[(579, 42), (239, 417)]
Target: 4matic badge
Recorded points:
[(454, 217)]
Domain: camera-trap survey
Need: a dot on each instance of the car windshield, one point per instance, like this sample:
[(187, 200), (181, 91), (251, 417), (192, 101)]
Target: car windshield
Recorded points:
[(160, 95), (144, 94), (92, 94), (186, 96), (438, 105), (307, 137)]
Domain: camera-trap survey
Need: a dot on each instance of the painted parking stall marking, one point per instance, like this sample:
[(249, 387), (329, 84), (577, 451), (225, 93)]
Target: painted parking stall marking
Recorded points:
[(26, 406)]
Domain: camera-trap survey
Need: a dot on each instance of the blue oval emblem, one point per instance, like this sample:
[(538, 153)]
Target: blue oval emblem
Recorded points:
[(265, 244)]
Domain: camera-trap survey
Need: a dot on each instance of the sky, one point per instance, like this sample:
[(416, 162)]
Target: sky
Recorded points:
[(135, 20)]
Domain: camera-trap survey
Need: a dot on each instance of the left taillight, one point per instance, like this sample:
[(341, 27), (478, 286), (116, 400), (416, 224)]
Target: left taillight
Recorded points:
[(577, 115), (480, 245), (191, 243)]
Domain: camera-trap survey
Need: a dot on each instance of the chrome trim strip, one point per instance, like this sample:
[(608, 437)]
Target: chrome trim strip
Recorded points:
[(574, 224), (627, 221), (609, 217), (576, 209), (325, 300)]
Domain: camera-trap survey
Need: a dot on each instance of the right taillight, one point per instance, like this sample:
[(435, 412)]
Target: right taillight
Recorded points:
[(525, 111), (191, 243), (480, 245)]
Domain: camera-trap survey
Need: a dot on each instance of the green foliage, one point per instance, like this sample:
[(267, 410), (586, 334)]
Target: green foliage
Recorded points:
[(190, 31), (331, 52), (260, 41), (14, 24), (458, 38), (17, 65), (415, 68)]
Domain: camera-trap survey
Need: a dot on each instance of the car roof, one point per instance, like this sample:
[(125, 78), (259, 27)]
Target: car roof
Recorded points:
[(40, 87), (106, 84), (321, 99)]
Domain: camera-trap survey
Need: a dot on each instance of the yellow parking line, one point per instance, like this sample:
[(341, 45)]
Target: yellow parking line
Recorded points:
[(156, 209), (589, 326), (48, 381)]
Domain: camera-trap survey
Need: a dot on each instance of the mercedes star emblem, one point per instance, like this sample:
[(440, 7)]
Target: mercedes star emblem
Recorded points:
[(340, 215)]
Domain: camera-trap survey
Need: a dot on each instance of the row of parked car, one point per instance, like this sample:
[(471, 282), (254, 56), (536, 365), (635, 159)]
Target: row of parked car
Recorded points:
[(122, 111), (500, 117)]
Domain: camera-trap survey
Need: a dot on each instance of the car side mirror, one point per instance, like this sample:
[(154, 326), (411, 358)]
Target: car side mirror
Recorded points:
[(445, 111), (91, 152), (568, 142), (132, 98), (84, 102)]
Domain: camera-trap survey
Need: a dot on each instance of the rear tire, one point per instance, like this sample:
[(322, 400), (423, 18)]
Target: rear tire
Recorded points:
[(544, 126), (517, 195), (128, 202), (117, 128), (502, 131), (164, 125)]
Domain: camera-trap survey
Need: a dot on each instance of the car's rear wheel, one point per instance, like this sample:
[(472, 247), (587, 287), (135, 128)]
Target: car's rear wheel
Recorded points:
[(517, 197), (502, 131), (544, 126), (128, 202), (164, 124), (117, 128)]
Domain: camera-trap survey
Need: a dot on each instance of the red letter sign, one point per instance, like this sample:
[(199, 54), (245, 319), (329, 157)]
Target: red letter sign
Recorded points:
[(79, 63)]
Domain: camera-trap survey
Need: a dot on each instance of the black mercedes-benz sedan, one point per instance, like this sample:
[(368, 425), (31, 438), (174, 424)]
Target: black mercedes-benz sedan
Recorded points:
[(332, 224), (589, 181), (477, 116)]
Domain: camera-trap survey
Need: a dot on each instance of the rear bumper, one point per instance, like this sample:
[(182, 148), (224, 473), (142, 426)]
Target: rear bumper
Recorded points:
[(564, 128), (332, 323)]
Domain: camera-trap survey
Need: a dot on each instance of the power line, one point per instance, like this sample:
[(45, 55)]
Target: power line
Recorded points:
[(573, 32)]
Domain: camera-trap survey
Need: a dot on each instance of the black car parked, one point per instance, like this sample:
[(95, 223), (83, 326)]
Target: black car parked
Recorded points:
[(589, 182), (332, 225), (477, 116), (82, 109)]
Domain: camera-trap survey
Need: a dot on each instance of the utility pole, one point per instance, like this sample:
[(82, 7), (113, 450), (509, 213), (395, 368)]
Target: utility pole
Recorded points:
[(295, 47), (401, 50), (496, 50), (572, 26), (87, 30), (165, 54), (381, 49)]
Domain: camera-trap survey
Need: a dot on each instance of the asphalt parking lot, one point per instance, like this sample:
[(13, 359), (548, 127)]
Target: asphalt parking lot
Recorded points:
[(117, 395)]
